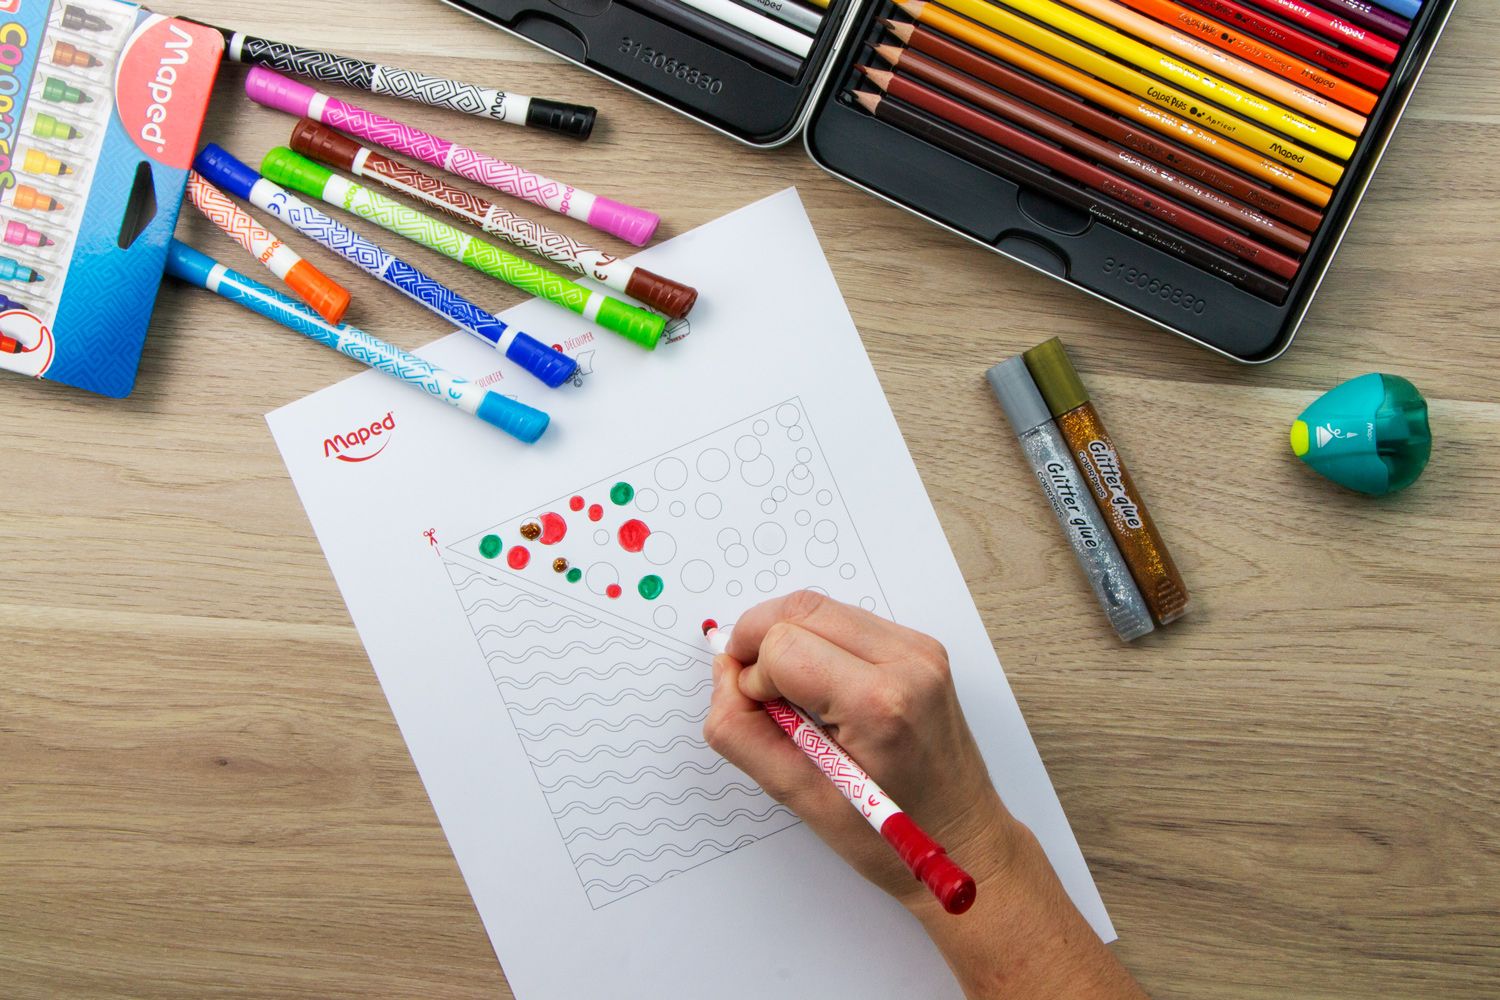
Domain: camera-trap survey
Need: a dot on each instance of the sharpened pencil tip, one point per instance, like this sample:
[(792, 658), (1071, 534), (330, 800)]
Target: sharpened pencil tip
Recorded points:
[(880, 77), (867, 100), (900, 29), (890, 53)]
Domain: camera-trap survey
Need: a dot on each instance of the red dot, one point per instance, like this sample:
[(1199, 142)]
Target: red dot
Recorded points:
[(595, 512), (612, 591), (709, 625), (553, 528), (633, 535), (518, 557), (576, 503)]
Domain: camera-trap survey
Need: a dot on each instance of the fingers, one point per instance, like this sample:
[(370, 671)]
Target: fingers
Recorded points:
[(808, 670), (863, 634)]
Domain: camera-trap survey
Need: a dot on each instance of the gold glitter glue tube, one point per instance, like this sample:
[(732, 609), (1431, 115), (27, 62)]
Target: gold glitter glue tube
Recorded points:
[(1105, 473)]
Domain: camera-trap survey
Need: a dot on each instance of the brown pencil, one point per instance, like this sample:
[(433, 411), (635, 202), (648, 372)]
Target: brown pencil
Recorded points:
[(1106, 154)]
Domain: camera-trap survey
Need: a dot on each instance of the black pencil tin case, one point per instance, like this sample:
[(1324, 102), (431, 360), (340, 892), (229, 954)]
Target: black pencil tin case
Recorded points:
[(763, 108)]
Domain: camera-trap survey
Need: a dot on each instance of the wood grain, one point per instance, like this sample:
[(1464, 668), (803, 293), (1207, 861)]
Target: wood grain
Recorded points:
[(1291, 793)]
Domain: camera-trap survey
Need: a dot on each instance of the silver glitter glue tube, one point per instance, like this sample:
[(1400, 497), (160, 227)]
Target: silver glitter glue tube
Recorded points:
[(1086, 530)]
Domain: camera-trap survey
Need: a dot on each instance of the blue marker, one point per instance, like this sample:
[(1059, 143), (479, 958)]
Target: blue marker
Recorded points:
[(222, 169), (12, 270), (514, 418)]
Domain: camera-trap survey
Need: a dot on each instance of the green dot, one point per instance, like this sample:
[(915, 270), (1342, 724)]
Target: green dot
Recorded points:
[(621, 493), (650, 587), (489, 546), (575, 574)]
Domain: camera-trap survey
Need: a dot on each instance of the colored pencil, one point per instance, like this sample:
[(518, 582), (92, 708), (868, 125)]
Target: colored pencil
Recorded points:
[(1335, 29), (547, 363), (1408, 9), (1295, 41), (517, 419), (312, 286), (1249, 47), (1106, 210), (1123, 48), (947, 54), (1368, 15), (752, 23), (1229, 66), (1144, 110), (295, 171), (1105, 154), (799, 17), (716, 32), (1090, 175), (574, 120), (631, 224), (322, 143)]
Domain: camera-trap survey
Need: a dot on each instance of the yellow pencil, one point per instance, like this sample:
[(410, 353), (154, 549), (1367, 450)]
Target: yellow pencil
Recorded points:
[(1261, 81), (1137, 83), (819, 3)]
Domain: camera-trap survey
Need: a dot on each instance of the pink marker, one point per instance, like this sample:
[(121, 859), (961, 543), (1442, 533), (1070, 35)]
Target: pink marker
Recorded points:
[(634, 225), (19, 234), (952, 886)]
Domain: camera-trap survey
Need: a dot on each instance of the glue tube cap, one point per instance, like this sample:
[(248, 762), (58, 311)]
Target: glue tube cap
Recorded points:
[(575, 120), (631, 323), (663, 294), (225, 171), (289, 169), (1013, 386), (265, 86), (516, 419), (322, 143), (633, 225), (326, 296), (550, 365), (1055, 377)]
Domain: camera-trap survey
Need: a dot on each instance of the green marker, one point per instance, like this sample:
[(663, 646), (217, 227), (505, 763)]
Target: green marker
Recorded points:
[(47, 127), (292, 170), (62, 92)]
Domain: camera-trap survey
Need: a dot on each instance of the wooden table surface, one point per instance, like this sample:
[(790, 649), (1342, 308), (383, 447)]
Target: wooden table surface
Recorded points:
[(1291, 793)]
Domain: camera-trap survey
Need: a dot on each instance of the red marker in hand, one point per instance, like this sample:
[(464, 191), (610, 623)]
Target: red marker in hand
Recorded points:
[(952, 886)]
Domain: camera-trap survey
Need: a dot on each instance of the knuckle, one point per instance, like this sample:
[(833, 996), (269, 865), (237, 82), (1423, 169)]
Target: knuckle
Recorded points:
[(885, 705), (781, 642), (931, 659), (802, 604)]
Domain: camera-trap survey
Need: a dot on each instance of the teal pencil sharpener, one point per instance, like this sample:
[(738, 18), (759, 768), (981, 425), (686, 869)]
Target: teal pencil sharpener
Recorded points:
[(1369, 434)]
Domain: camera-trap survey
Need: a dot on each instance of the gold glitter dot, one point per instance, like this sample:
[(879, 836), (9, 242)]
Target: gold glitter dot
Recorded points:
[(559, 565), (531, 531)]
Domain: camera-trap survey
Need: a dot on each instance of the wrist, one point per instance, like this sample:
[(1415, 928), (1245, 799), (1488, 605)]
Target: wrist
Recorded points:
[(985, 841)]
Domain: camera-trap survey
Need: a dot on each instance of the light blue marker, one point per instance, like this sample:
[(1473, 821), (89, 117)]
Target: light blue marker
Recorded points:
[(518, 419), (222, 169)]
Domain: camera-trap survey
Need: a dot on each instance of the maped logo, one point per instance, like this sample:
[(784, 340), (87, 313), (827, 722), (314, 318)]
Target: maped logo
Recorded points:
[(362, 443)]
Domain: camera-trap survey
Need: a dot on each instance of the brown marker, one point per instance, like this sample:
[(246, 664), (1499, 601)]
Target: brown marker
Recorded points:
[(1104, 471), (64, 54)]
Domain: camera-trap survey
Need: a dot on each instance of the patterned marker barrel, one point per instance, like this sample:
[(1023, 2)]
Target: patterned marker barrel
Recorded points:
[(301, 174), (634, 225)]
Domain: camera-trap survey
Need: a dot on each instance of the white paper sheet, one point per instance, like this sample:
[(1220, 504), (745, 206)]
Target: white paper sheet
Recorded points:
[(556, 724)]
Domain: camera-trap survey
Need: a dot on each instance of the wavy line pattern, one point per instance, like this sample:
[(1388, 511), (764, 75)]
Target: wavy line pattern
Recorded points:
[(649, 769), (663, 850), (486, 603), (624, 724), (576, 645), (595, 697), (659, 797), (741, 812), (574, 756), (619, 668), (531, 628)]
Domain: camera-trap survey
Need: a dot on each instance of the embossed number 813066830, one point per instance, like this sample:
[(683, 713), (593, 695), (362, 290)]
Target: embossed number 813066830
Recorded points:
[(1154, 286), (656, 59)]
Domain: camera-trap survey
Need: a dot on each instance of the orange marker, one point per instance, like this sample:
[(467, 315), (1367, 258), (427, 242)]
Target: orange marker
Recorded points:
[(64, 54), (28, 198), (312, 286)]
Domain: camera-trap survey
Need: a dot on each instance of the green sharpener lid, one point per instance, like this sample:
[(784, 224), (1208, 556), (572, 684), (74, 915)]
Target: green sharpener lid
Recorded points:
[(1055, 377)]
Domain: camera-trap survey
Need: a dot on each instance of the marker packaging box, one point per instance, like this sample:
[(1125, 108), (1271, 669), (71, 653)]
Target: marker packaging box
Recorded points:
[(764, 107), (101, 106)]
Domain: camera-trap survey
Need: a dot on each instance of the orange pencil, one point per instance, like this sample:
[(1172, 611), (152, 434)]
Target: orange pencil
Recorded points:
[(1228, 66), (1116, 100), (1249, 47)]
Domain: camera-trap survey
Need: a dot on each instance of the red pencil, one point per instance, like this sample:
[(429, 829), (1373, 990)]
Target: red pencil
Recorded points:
[(1297, 42), (952, 56), (1093, 177), (1335, 28)]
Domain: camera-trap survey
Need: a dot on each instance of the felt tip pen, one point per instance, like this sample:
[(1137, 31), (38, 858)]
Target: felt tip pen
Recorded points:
[(545, 362), (62, 92), (29, 199), (34, 161), (7, 304), (318, 141), (1070, 499), (13, 270), (44, 126), (67, 54), (1116, 493), (634, 225), (574, 120), (312, 286), (517, 419), (76, 18), (297, 172), (925, 857), (19, 234)]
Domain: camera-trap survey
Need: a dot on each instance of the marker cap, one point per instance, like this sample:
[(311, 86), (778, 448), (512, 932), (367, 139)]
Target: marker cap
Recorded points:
[(1055, 377), (671, 297), (270, 88), (517, 419), (326, 296), (188, 264), (1013, 386), (576, 120), (550, 365), (631, 323), (225, 171), (631, 224), (289, 169), (322, 143)]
